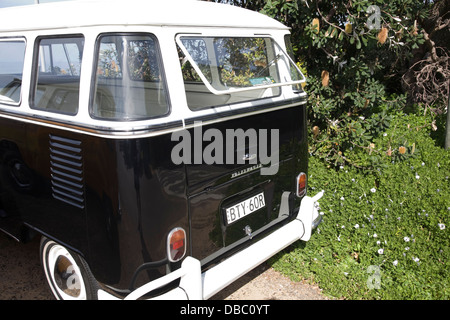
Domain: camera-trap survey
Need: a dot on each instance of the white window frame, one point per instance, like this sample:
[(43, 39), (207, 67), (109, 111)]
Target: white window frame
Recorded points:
[(281, 53)]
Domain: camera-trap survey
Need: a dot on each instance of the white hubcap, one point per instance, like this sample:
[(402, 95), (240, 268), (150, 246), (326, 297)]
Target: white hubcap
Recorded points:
[(63, 272)]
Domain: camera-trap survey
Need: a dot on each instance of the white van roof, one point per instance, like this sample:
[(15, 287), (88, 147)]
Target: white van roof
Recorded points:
[(81, 13)]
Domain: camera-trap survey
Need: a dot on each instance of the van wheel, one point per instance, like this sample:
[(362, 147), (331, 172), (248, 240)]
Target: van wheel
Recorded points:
[(67, 273)]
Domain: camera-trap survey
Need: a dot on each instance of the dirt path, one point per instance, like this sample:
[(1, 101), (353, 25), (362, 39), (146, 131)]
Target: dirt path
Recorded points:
[(264, 283), (21, 278)]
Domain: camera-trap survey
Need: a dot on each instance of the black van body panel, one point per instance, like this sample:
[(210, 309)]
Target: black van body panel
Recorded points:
[(212, 188), (27, 188), (114, 201)]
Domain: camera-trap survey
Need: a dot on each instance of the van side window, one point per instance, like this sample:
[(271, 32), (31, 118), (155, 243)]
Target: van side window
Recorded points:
[(57, 74), (12, 54), (294, 74), (199, 52), (129, 82), (213, 67)]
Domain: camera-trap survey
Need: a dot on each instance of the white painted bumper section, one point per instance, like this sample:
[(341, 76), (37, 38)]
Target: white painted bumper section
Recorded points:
[(195, 285)]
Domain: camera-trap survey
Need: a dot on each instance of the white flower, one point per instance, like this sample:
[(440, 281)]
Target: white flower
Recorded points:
[(373, 190), (395, 262), (380, 251), (406, 239), (356, 226), (378, 242), (375, 235), (407, 248), (416, 259), (441, 226), (342, 198), (417, 176), (384, 134)]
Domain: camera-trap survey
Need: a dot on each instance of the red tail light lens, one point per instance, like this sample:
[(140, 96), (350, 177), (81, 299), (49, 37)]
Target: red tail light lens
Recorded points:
[(176, 244), (301, 184)]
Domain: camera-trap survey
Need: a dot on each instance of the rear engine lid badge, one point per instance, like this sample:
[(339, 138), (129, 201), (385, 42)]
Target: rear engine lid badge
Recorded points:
[(247, 170)]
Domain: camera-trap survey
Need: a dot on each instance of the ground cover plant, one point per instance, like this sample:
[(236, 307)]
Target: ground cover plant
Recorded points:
[(385, 230), (378, 82)]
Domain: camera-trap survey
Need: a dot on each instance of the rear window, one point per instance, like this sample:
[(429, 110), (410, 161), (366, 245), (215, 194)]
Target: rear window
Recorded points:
[(57, 71), (129, 82), (12, 54), (226, 70)]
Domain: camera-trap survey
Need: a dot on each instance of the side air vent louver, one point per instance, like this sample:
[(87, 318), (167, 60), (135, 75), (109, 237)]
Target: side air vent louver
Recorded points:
[(66, 166)]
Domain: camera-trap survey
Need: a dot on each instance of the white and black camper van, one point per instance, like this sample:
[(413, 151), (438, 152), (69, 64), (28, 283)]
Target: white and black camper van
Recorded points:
[(158, 148)]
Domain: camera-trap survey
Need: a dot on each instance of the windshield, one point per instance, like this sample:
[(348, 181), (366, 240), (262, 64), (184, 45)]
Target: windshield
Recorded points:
[(236, 68)]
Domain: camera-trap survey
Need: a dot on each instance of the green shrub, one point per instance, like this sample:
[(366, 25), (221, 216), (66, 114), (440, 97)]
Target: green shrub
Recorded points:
[(355, 54), (387, 222)]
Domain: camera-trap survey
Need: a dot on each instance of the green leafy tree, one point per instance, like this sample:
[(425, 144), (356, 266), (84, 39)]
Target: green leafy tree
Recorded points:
[(356, 53)]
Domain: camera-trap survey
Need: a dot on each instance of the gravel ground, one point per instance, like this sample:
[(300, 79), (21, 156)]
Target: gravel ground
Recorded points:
[(21, 278), (264, 283)]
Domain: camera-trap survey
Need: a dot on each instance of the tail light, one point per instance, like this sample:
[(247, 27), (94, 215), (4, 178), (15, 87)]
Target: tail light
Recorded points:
[(301, 185), (176, 244)]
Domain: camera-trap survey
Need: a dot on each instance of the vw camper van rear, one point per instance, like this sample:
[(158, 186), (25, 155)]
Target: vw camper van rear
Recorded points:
[(158, 149)]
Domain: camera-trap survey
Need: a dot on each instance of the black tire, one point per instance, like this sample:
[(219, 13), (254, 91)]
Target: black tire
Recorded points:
[(67, 273)]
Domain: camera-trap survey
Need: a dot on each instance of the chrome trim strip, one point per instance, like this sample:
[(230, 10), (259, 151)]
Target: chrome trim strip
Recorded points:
[(149, 130), (234, 114)]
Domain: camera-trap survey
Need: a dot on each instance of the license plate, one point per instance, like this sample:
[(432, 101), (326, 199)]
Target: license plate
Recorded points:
[(244, 208)]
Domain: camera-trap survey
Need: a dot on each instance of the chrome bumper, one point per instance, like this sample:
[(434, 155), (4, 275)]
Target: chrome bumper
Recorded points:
[(195, 285)]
